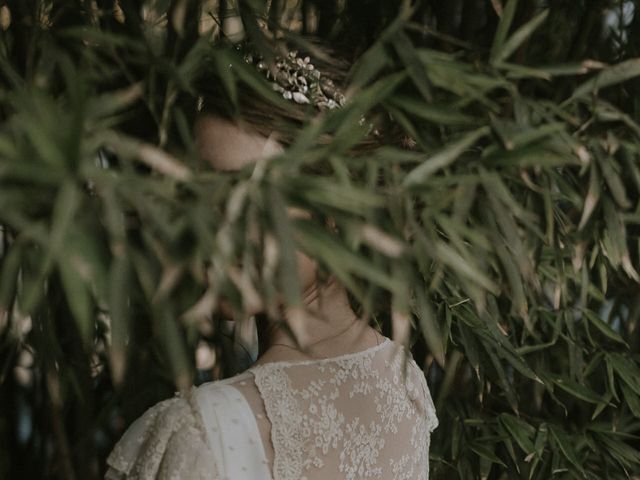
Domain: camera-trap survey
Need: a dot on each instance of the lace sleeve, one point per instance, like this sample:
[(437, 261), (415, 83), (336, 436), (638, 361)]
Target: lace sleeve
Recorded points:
[(166, 442)]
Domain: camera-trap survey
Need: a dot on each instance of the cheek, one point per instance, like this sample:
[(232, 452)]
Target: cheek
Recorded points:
[(307, 269)]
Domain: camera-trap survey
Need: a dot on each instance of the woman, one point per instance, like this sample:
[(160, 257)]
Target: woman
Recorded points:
[(338, 401)]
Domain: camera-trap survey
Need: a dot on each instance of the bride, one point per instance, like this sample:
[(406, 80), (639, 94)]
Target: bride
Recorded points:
[(338, 402)]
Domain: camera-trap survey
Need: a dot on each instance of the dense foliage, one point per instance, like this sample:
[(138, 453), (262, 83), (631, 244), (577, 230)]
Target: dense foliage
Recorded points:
[(507, 236)]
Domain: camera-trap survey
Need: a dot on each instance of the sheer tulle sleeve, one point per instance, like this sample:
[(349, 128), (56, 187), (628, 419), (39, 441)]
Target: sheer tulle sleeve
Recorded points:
[(167, 442)]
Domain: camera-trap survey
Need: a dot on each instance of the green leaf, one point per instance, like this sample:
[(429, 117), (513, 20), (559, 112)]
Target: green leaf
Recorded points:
[(173, 344), (485, 452), (628, 456), (615, 240), (290, 282), (593, 195), (505, 50), (531, 135), (609, 76), (507, 352), (566, 444), (112, 102), (507, 386), (577, 390), (604, 403), (371, 62), (604, 328), (10, 264), (534, 348), (471, 350), (626, 369), (250, 76), (506, 19), (369, 65), (222, 60), (429, 326), (407, 54), (326, 191), (613, 179), (439, 115), (631, 399), (320, 244), (520, 430), (120, 283), (444, 157), (463, 267), (67, 203), (78, 297), (542, 435)]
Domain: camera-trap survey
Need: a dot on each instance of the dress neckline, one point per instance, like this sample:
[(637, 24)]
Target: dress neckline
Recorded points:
[(345, 356)]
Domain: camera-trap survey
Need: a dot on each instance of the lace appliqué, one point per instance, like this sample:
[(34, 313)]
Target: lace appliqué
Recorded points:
[(358, 418), (168, 442)]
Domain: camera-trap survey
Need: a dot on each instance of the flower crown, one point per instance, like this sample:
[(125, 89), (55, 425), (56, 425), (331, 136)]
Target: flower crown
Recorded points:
[(298, 80)]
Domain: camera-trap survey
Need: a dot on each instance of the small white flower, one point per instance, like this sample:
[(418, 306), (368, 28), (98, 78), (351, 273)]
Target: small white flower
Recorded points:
[(300, 98)]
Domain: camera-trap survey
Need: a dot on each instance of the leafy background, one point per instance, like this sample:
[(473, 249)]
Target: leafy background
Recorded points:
[(508, 237)]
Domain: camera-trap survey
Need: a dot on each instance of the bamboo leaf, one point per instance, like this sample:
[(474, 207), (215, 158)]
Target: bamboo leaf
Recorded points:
[(325, 191), (120, 283), (78, 297), (375, 58), (10, 264), (222, 61), (506, 385), (453, 259), (442, 115), (486, 452), (609, 76), (627, 456), (506, 19), (444, 157), (174, 347), (368, 65), (577, 390), (318, 243), (430, 329), (289, 279), (566, 445), (631, 399), (520, 430), (627, 370), (593, 195), (471, 349), (604, 328), (407, 53), (615, 241), (505, 50), (613, 179)]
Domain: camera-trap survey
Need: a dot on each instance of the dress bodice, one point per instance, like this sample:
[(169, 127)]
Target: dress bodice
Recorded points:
[(366, 415)]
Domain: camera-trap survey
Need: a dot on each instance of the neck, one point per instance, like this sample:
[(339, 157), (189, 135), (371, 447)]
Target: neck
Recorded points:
[(328, 327)]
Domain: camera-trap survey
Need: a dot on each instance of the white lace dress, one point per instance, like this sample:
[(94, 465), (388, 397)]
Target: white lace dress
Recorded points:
[(365, 415)]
